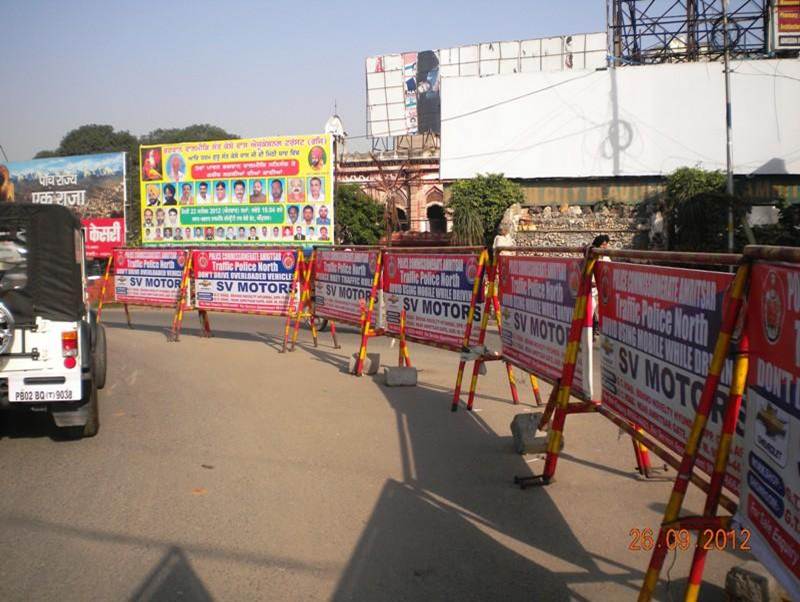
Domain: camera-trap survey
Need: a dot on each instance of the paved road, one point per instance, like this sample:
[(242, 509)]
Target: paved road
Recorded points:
[(224, 470)]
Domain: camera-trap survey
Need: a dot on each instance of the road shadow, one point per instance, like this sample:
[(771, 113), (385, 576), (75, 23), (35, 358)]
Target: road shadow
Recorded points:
[(197, 332), (416, 547), (172, 579), (22, 424), (453, 529)]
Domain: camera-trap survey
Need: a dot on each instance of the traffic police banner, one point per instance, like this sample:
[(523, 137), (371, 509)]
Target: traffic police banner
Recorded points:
[(343, 284), (770, 499), (149, 277), (659, 328), (435, 290), (537, 296), (244, 281)]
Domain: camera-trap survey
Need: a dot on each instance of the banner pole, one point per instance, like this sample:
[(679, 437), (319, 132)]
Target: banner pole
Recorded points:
[(400, 356), (127, 315), (535, 386), (498, 318), (333, 334), (404, 343), (304, 300), (579, 315), (310, 297), (292, 288), (738, 384), (640, 452), (479, 278), (205, 322), (637, 453), (367, 315), (103, 288), (558, 403), (550, 406), (487, 306), (735, 296), (178, 318)]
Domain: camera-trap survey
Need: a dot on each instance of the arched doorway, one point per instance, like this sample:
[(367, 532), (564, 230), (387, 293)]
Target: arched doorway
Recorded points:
[(402, 219), (437, 222)]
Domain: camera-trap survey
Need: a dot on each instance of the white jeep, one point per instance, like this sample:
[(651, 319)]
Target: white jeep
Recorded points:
[(52, 351)]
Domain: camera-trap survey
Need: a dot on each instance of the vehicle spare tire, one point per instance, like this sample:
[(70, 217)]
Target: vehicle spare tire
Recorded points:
[(99, 356), (6, 329)]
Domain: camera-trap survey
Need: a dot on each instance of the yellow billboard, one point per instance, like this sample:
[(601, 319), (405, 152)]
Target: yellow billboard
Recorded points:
[(253, 191)]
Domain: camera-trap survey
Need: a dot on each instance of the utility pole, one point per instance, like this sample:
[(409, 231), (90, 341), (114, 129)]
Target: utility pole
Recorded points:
[(728, 122), (4, 152)]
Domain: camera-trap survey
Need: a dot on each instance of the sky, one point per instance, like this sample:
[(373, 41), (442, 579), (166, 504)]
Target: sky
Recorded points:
[(254, 68)]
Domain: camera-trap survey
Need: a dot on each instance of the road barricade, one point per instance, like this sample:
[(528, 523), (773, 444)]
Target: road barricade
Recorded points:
[(674, 360), (261, 281), (537, 295), (769, 505), (148, 277), (430, 296), (760, 322), (344, 281), (675, 347)]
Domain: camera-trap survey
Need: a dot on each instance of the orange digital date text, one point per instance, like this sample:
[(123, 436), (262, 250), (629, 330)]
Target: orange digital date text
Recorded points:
[(644, 540)]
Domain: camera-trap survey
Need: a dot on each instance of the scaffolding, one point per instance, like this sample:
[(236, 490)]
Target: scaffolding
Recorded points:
[(666, 31)]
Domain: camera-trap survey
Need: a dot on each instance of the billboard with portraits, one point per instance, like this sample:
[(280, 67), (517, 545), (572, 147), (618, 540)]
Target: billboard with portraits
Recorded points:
[(254, 191)]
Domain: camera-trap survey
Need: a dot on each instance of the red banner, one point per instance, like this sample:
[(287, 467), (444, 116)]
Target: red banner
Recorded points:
[(103, 235), (659, 328), (343, 283), (771, 492), (246, 169), (435, 292), (246, 281), (537, 296), (149, 277)]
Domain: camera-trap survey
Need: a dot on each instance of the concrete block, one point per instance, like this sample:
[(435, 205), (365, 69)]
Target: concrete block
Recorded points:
[(475, 352), (750, 582), (482, 368), (527, 438), (372, 362), (397, 376)]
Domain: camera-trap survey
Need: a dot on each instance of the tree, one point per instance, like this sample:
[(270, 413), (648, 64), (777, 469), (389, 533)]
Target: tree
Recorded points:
[(93, 138), (359, 219), (786, 232), (478, 206), (199, 132), (697, 210)]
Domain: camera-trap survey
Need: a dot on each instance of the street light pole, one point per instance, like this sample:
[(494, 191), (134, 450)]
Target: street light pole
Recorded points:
[(728, 123)]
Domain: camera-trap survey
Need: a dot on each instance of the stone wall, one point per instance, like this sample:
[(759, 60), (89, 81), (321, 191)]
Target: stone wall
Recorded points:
[(551, 226)]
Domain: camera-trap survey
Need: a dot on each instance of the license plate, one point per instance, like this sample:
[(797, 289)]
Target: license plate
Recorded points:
[(19, 392)]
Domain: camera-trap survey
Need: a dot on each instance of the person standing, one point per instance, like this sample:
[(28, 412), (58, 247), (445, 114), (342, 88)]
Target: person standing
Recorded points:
[(600, 241), (503, 238)]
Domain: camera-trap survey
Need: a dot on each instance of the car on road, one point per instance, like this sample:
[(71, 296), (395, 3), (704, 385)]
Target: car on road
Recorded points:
[(52, 350)]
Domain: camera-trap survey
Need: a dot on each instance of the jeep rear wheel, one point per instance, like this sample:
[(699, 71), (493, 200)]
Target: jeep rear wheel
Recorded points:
[(92, 426), (99, 356)]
